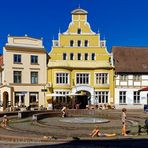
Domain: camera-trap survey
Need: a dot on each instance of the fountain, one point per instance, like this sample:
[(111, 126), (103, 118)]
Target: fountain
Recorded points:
[(84, 120)]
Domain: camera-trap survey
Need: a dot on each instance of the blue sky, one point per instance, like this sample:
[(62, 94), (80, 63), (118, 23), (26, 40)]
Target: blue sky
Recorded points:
[(121, 22)]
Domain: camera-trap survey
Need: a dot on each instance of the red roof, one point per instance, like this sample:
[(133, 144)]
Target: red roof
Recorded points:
[(1, 60), (144, 89), (130, 59)]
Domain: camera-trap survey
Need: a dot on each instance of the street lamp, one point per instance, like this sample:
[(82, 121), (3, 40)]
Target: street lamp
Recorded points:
[(44, 90)]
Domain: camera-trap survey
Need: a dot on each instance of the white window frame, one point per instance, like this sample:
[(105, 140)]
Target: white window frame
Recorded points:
[(70, 43), (79, 29), (80, 57), (87, 43), (98, 73), (36, 101), (34, 77), (102, 97), (86, 54), (61, 99), (34, 59), (123, 95), (63, 78), (123, 77), (78, 43), (17, 58), (19, 99), (94, 56), (136, 97), (63, 56), (73, 56), (137, 77), (82, 73), (17, 77)]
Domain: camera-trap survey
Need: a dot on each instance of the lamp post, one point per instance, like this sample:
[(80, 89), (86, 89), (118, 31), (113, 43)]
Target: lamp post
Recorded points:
[(44, 90)]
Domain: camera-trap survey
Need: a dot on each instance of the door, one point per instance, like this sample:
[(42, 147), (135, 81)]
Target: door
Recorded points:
[(5, 100)]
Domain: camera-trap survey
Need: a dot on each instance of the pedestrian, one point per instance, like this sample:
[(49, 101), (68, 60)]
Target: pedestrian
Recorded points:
[(123, 118), (4, 122), (64, 111)]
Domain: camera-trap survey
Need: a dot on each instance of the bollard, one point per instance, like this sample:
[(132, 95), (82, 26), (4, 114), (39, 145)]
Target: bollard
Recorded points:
[(34, 118), (19, 115)]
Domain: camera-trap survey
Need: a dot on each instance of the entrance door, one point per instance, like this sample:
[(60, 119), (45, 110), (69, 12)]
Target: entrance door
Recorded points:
[(82, 99), (5, 100)]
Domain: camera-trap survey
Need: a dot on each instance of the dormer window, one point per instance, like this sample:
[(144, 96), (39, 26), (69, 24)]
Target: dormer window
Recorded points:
[(71, 43), (79, 43), (86, 43), (79, 31), (103, 43)]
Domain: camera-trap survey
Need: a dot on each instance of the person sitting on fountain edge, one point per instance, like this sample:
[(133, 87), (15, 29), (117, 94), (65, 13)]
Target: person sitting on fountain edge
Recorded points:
[(5, 121)]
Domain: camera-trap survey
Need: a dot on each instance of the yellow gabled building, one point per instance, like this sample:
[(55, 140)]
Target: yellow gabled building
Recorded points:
[(79, 67)]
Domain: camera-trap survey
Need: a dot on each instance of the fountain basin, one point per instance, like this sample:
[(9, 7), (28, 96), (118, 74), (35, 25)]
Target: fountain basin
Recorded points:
[(84, 120)]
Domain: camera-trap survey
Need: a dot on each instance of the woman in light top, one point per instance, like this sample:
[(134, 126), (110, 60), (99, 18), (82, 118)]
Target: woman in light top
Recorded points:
[(123, 118)]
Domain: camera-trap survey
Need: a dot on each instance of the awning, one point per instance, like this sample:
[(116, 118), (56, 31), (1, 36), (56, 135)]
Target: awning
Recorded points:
[(143, 89), (55, 95), (74, 94)]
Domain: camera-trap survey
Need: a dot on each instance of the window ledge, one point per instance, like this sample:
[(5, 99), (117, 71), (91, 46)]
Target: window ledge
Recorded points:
[(34, 63), (17, 63)]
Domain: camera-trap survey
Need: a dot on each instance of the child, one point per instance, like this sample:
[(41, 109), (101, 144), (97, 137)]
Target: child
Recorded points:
[(4, 121)]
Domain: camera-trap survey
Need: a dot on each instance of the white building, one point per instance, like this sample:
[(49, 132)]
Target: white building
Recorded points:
[(131, 75), (23, 73)]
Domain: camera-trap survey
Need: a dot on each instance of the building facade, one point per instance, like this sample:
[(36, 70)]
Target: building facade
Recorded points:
[(1, 68), (80, 66), (24, 73), (131, 75)]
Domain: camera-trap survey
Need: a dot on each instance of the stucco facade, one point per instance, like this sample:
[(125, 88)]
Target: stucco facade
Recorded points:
[(133, 98), (80, 63), (24, 72)]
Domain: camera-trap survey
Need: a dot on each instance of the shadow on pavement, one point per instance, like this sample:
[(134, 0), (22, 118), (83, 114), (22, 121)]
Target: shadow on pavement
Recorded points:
[(114, 143)]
